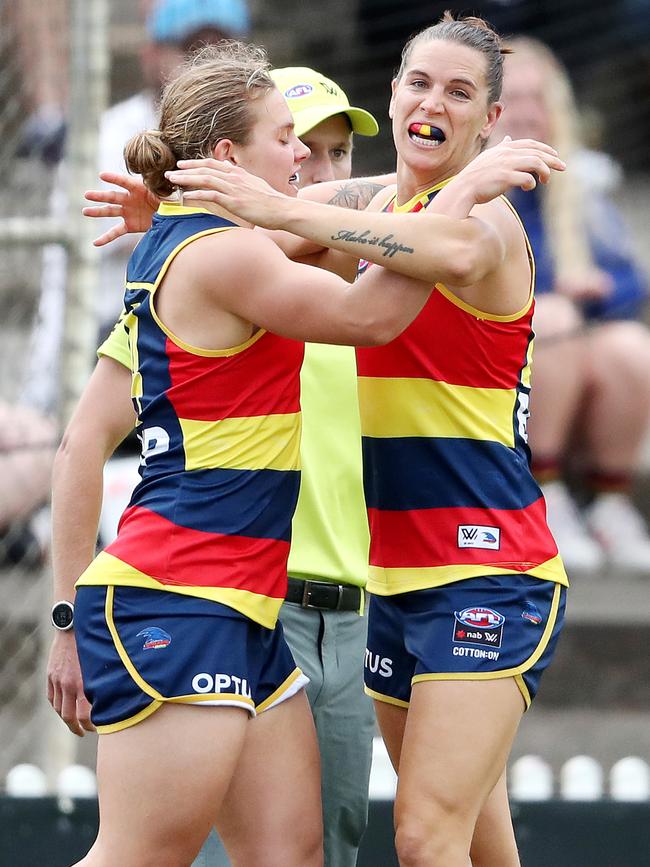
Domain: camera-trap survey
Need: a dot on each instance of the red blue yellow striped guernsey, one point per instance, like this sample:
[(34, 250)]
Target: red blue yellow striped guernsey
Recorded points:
[(220, 432), (448, 486)]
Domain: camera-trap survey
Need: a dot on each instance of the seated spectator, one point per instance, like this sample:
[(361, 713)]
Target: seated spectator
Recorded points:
[(38, 34), (591, 403), (27, 445)]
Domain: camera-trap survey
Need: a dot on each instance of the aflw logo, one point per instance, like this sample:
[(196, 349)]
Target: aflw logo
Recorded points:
[(478, 536)]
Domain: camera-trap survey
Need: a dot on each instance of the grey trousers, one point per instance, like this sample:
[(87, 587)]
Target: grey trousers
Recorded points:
[(329, 647)]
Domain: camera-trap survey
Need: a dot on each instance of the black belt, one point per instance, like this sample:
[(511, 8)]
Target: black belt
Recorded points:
[(324, 596)]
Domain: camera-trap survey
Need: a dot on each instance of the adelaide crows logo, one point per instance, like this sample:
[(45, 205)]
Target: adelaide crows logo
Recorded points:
[(155, 638), (531, 613)]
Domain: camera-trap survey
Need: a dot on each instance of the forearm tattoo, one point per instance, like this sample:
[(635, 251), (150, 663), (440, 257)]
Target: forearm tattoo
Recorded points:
[(387, 242), (356, 195)]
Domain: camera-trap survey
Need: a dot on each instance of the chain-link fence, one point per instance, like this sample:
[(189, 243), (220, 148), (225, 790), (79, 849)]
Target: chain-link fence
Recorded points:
[(53, 85), (57, 293)]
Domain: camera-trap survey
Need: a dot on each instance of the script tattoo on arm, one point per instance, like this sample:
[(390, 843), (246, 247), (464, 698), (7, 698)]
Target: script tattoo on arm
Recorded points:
[(356, 195), (388, 242)]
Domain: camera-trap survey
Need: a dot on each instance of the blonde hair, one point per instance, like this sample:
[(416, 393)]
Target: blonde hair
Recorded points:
[(470, 31), (563, 214), (209, 100)]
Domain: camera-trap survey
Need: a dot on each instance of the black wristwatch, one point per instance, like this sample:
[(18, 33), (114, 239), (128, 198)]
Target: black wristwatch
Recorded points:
[(63, 615)]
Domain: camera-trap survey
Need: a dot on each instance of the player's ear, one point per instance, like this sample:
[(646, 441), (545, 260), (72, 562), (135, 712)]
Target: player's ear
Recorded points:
[(393, 88), (493, 115), (224, 150)]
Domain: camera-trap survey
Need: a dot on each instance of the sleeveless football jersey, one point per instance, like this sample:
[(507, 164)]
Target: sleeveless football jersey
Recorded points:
[(444, 409), (220, 433)]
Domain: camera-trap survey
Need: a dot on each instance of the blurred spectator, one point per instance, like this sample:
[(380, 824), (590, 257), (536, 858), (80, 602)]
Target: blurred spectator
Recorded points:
[(591, 403), (37, 35), (27, 445), (173, 27), (40, 32)]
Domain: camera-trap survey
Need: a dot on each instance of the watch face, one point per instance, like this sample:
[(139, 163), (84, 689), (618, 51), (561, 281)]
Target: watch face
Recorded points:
[(62, 615)]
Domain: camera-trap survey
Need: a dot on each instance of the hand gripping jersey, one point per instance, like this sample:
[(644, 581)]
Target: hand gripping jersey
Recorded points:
[(448, 487), (220, 433)]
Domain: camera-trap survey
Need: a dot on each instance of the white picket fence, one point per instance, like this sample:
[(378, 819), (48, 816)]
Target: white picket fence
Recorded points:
[(581, 778)]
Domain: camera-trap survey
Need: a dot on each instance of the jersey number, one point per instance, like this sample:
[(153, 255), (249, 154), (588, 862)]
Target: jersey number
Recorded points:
[(155, 441), (523, 414)]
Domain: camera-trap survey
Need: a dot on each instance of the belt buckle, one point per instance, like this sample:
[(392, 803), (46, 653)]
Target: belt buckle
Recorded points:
[(306, 596), (307, 593)]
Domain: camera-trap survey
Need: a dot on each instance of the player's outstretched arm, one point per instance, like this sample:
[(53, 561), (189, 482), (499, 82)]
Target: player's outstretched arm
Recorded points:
[(509, 164), (427, 246), (133, 203), (103, 418)]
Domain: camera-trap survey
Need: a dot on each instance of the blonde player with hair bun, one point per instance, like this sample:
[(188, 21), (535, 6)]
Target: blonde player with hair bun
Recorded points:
[(324, 612)]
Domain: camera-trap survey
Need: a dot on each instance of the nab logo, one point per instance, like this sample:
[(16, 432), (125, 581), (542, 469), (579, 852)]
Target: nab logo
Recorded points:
[(478, 536), (298, 90)]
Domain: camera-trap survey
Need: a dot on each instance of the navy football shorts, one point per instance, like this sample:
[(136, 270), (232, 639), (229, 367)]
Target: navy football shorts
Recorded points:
[(139, 648), (475, 629)]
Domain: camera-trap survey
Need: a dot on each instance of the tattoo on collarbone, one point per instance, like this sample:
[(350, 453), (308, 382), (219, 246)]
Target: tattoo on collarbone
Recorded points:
[(356, 195), (387, 242)]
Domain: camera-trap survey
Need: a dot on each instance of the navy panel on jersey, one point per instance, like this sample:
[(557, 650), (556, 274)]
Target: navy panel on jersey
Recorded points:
[(405, 473), (233, 508)]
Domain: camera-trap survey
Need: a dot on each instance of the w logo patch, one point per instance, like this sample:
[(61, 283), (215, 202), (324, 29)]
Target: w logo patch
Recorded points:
[(479, 536)]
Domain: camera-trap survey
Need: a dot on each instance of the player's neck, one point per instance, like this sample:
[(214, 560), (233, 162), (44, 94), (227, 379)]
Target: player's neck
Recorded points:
[(215, 209)]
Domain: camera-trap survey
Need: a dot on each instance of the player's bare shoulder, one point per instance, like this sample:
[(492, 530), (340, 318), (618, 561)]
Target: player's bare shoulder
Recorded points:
[(381, 198), (501, 215), (362, 194), (222, 261)]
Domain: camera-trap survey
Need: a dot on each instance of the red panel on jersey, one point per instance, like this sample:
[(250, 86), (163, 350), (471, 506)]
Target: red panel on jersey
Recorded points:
[(481, 353), (236, 386), (199, 559), (429, 537)]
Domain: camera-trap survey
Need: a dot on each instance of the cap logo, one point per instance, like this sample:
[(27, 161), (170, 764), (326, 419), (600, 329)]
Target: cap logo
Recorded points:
[(298, 90)]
